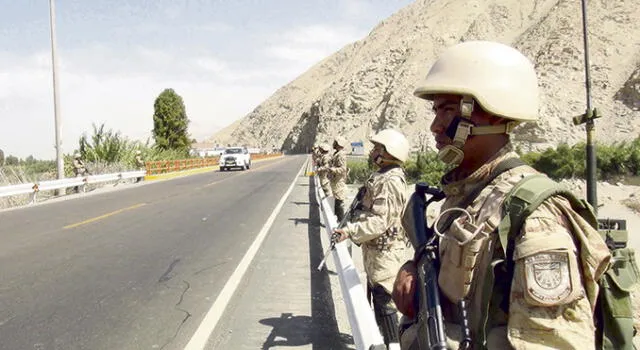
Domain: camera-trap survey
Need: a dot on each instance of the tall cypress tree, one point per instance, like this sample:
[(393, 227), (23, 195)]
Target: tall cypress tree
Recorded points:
[(170, 122)]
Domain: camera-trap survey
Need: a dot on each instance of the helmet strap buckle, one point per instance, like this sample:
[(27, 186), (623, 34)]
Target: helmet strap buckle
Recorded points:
[(466, 107)]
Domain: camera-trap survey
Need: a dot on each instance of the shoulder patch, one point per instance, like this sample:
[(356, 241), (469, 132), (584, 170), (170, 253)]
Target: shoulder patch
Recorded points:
[(548, 277)]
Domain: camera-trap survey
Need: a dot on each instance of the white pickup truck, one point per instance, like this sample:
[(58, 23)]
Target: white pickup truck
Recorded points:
[(235, 157)]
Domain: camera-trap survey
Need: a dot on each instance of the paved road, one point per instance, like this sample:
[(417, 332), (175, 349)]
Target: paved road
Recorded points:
[(131, 269), (284, 302)]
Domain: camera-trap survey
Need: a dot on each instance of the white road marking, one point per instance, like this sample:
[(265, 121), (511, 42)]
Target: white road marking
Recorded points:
[(201, 336)]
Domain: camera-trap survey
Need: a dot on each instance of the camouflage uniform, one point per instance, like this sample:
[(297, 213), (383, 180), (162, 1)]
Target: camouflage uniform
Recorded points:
[(79, 170), (377, 227), (553, 289), (139, 161), (323, 172), (78, 167), (140, 164), (338, 176)]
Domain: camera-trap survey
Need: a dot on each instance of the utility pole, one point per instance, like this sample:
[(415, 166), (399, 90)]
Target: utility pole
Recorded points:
[(588, 119), (56, 99)]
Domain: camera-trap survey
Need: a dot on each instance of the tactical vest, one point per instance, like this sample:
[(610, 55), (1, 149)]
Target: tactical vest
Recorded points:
[(613, 316)]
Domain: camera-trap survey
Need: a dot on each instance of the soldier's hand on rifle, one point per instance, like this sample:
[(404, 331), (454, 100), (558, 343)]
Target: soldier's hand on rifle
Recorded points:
[(404, 289), (339, 235)]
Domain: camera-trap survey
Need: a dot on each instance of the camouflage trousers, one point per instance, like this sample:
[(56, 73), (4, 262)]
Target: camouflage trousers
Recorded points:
[(339, 189), (326, 186)]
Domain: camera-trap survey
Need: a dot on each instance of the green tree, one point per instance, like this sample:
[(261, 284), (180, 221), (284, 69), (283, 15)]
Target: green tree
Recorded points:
[(12, 160), (1, 158), (170, 122)]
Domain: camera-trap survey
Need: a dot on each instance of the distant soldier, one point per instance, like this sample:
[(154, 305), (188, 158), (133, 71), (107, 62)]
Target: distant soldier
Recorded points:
[(324, 159), (315, 154), (79, 168), (139, 163), (338, 175)]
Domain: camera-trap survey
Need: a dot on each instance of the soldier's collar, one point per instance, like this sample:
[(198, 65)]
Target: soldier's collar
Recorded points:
[(456, 183)]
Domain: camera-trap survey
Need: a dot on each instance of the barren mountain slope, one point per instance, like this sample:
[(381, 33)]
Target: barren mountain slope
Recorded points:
[(368, 85)]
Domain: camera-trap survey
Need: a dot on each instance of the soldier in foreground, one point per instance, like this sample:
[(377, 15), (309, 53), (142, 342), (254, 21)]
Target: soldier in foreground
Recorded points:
[(376, 226), (480, 91), (338, 176)]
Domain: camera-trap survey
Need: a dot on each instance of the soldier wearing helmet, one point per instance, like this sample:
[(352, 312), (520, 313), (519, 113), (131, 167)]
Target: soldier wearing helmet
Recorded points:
[(377, 227), (323, 161), (479, 92), (338, 175), (79, 169), (139, 163)]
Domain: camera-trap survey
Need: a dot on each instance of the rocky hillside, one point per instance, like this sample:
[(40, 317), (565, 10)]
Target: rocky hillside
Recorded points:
[(368, 85)]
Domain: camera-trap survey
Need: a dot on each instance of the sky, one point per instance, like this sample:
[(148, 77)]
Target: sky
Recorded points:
[(114, 57)]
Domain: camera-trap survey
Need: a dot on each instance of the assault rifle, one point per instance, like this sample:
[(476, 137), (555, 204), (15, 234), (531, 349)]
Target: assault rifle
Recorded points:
[(431, 334), (357, 202)]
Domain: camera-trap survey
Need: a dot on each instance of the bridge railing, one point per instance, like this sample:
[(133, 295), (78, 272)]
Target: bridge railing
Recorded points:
[(81, 182), (365, 332)]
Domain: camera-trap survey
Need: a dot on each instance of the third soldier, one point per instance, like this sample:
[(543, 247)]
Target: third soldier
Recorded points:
[(378, 228), (338, 175)]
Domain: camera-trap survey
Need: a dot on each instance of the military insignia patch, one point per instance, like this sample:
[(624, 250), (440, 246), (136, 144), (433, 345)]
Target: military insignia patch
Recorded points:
[(548, 277)]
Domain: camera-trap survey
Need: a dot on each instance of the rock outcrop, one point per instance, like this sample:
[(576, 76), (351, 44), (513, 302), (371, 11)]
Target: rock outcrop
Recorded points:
[(368, 85)]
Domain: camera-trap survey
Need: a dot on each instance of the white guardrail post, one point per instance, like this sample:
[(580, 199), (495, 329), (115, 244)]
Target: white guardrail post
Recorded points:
[(364, 328), (35, 187)]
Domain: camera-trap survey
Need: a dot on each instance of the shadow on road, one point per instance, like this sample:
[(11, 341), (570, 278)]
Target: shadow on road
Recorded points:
[(321, 328), (288, 330), (326, 332)]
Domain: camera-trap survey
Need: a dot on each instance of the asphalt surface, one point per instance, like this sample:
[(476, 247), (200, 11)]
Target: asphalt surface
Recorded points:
[(139, 268), (284, 302)]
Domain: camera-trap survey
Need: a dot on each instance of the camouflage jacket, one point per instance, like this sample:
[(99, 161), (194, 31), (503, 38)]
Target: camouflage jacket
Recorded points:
[(323, 166), (139, 161), (550, 304), (376, 225), (78, 167), (338, 174)]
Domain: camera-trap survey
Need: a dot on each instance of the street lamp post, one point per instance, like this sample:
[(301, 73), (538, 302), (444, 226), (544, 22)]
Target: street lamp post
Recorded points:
[(56, 100)]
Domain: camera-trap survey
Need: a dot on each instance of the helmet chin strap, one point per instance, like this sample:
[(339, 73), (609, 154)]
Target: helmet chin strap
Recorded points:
[(378, 160), (453, 154), (381, 161), (462, 127)]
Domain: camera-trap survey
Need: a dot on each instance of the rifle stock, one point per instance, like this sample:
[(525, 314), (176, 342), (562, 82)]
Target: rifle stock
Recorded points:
[(431, 332)]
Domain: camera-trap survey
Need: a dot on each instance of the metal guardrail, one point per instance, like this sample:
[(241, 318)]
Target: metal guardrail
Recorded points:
[(152, 167), (155, 167), (364, 329), (35, 187)]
